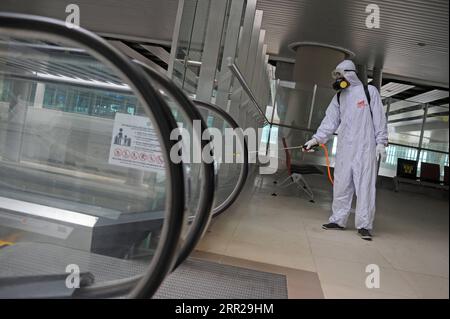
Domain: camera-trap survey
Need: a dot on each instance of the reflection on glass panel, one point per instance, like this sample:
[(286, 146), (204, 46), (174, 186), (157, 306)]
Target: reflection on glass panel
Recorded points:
[(227, 173), (86, 101), (394, 152), (242, 107), (292, 105), (295, 138), (405, 122), (269, 139), (6, 90), (268, 132), (62, 156), (78, 182), (410, 138), (193, 176), (300, 106), (318, 157), (436, 133)]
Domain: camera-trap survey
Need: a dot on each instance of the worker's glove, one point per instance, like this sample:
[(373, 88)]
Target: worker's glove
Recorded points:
[(312, 142), (381, 152)]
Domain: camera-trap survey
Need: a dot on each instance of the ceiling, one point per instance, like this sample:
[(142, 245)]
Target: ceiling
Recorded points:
[(136, 20), (394, 46)]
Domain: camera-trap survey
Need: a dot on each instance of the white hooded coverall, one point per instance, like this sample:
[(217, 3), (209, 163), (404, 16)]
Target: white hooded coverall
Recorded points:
[(359, 133)]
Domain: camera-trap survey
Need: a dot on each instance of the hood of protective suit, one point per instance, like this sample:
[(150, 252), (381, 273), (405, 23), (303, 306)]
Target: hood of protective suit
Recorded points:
[(348, 68)]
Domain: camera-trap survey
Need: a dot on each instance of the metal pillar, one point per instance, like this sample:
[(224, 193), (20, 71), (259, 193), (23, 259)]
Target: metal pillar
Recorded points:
[(39, 96), (377, 78), (211, 52), (230, 51), (424, 120), (250, 64), (243, 52), (175, 38)]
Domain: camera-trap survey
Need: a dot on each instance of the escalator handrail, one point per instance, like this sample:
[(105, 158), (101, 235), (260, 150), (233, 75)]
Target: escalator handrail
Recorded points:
[(244, 170), (203, 215), (146, 285)]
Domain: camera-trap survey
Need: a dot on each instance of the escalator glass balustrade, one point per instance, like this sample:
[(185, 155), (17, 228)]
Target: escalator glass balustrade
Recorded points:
[(231, 161), (90, 203)]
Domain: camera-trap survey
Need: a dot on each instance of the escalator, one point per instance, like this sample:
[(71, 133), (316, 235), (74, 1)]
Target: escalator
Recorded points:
[(84, 193), (91, 203)]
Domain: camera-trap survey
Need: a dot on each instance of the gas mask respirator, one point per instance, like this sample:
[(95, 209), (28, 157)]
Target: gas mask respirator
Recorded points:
[(340, 83)]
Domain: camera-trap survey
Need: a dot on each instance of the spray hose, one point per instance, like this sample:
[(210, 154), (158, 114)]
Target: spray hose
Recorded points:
[(327, 158)]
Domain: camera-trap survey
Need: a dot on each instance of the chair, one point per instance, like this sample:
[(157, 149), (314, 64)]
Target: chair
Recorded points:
[(296, 172), (406, 168), (430, 173), (446, 173)]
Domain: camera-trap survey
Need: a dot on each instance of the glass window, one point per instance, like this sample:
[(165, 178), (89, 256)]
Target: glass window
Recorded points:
[(433, 158), (88, 101)]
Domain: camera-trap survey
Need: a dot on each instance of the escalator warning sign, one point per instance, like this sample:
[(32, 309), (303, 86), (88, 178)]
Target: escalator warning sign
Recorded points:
[(135, 144)]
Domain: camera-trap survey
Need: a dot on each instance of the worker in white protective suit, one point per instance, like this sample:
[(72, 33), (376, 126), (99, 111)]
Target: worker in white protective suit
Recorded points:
[(358, 112)]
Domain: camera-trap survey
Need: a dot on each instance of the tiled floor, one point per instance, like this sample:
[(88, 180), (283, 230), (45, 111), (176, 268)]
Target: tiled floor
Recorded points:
[(410, 247)]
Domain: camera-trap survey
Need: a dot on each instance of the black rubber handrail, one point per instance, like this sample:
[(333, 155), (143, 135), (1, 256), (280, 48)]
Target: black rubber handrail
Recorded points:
[(244, 167), (144, 286), (203, 215)]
